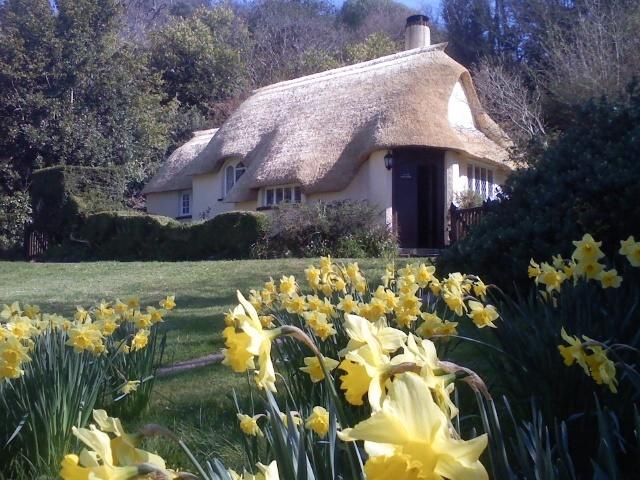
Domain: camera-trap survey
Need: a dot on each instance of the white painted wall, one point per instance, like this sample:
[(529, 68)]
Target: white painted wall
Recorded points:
[(207, 190), (373, 182), (164, 203), (459, 112)]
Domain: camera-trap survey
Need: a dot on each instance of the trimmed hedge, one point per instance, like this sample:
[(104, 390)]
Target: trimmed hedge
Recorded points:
[(136, 236), (63, 196)]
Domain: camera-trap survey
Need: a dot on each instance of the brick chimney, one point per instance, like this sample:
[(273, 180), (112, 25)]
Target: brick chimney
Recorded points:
[(416, 32)]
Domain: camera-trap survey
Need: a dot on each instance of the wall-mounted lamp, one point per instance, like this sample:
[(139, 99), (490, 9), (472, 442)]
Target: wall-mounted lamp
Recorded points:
[(388, 160)]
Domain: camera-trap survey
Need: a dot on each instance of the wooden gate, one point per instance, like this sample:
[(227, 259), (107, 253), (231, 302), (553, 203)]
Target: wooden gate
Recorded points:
[(35, 244), (462, 219)]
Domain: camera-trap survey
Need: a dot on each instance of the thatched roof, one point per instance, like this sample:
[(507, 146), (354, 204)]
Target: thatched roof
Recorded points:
[(317, 130), (170, 176)]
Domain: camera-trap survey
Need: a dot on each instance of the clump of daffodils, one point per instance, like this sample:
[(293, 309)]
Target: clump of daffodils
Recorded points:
[(587, 262), (591, 356), (93, 331), (376, 345)]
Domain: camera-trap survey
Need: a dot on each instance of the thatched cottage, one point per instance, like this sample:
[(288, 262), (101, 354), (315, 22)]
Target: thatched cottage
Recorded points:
[(404, 132)]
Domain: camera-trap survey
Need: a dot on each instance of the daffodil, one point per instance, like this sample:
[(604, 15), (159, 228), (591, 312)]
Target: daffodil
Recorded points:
[(587, 249), (259, 343), (85, 336), (249, 424), (574, 352), (169, 302), (314, 368), (424, 275), (631, 249), (287, 285), (590, 269), (140, 340), (129, 387), (601, 368), (318, 421), (610, 278), (10, 311), (482, 316), (412, 436), (236, 354), (348, 305)]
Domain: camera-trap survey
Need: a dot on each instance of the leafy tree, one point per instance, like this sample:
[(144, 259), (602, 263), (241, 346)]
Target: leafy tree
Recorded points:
[(201, 59), (469, 26), (72, 92), (374, 46)]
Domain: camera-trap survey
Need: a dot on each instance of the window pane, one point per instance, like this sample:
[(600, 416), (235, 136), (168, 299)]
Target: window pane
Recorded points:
[(298, 195), (240, 169), (287, 194), (185, 204), (269, 197), (476, 187), (279, 194), (483, 180), (490, 180), (229, 178), (469, 177)]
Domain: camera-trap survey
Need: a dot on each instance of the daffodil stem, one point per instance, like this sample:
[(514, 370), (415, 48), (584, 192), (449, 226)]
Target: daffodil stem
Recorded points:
[(195, 462)]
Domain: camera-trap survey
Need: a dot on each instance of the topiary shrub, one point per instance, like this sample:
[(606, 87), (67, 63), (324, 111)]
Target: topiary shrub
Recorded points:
[(137, 236), (63, 196), (341, 229), (588, 180)]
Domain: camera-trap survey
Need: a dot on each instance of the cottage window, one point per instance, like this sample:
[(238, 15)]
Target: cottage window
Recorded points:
[(240, 169), (232, 174), (481, 181), (277, 195), (185, 204)]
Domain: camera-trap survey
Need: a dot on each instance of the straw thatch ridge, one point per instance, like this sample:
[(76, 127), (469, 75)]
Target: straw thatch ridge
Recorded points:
[(169, 176), (317, 130)]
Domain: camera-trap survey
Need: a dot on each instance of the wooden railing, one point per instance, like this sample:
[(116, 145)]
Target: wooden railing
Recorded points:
[(462, 219), (35, 244)]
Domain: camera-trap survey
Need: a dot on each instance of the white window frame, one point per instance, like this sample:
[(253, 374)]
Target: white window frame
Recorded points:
[(185, 212), (481, 179), (274, 196), (231, 174)]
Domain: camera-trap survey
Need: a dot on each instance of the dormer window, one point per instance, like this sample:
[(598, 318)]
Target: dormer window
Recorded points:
[(232, 174)]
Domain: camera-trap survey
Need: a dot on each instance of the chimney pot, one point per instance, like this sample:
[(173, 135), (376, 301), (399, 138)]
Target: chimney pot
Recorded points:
[(416, 32)]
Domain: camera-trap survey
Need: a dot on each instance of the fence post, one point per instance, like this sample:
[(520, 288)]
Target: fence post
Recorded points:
[(453, 231)]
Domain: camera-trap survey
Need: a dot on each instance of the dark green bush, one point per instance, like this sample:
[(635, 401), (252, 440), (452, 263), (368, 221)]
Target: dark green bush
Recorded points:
[(341, 229), (588, 180), (63, 196), (137, 236)]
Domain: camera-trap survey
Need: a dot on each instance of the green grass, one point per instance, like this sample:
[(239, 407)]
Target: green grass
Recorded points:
[(198, 404)]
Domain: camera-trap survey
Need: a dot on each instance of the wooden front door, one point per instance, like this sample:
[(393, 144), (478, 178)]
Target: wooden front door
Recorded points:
[(418, 197)]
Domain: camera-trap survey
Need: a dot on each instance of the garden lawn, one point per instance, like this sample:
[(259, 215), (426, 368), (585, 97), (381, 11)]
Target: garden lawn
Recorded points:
[(198, 404)]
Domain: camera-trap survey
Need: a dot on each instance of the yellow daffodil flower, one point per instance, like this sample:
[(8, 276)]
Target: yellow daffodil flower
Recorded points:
[(297, 419), (140, 340), (259, 343), (574, 352), (314, 369), (421, 435), (129, 387), (249, 425), (587, 249), (318, 421), (631, 249), (287, 285), (482, 316), (169, 302), (601, 368), (610, 279)]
